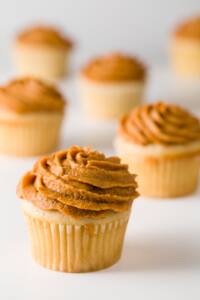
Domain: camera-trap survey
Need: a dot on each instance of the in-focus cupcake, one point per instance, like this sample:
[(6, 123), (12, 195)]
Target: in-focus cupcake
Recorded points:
[(43, 52), (161, 144), (185, 48), (77, 204), (111, 85), (31, 113)]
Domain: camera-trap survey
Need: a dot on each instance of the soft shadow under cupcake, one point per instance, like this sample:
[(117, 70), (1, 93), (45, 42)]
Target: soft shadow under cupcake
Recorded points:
[(157, 254)]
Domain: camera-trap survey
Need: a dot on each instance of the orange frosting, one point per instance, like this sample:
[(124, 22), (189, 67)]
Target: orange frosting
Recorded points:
[(28, 94), (79, 182), (160, 123), (189, 29), (115, 67), (44, 35)]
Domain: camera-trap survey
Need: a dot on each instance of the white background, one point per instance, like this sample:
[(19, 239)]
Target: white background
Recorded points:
[(161, 258), (97, 26)]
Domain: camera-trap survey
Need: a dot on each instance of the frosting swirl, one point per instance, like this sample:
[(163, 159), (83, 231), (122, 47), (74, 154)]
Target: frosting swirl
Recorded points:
[(44, 35), (115, 67), (189, 29), (28, 94), (160, 123), (79, 182)]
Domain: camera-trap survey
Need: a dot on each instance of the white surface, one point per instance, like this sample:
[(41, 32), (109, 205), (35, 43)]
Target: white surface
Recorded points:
[(161, 257)]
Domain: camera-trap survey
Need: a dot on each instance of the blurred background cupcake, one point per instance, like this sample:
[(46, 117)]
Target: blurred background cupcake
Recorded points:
[(111, 85), (31, 114), (161, 144), (185, 48), (42, 51)]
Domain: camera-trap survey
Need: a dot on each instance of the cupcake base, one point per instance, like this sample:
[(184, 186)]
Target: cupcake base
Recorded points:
[(45, 62), (166, 177), (185, 56), (64, 244), (30, 134), (161, 172), (109, 100)]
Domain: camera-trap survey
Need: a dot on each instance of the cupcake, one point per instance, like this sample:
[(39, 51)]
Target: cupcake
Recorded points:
[(111, 85), (31, 113), (185, 48), (42, 52), (161, 144), (77, 204)]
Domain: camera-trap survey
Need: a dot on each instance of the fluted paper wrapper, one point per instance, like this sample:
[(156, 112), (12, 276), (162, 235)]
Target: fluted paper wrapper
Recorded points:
[(169, 171), (27, 137), (185, 57), (164, 177), (109, 101), (77, 246), (47, 63)]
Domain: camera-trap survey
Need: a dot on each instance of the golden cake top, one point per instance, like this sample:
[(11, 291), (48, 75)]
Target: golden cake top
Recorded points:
[(28, 94), (189, 29), (79, 182), (160, 123), (115, 67), (44, 35)]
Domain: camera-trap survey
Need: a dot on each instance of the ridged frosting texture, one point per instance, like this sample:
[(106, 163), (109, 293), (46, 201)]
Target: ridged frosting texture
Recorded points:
[(28, 94), (115, 67), (160, 123), (189, 29), (44, 35), (79, 182)]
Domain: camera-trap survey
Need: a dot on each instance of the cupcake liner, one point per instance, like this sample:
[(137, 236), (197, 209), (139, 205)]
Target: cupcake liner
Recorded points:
[(26, 136), (76, 246), (43, 62), (185, 56), (108, 101), (164, 175)]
